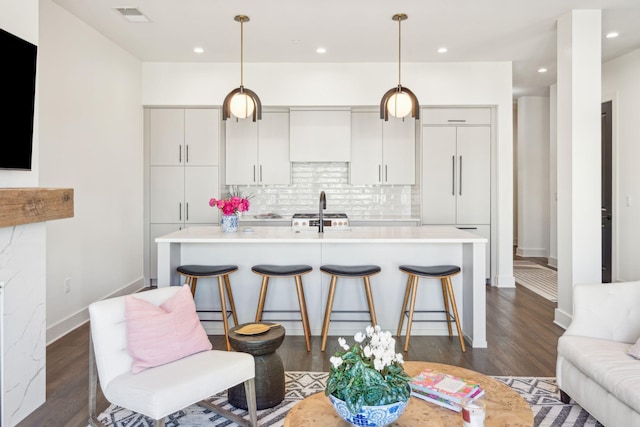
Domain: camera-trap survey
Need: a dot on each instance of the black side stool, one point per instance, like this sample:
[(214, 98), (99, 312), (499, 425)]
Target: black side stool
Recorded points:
[(442, 272), (353, 271), (295, 271), (269, 380), (221, 272)]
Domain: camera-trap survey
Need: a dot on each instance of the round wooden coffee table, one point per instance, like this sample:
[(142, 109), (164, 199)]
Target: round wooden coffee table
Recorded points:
[(505, 407)]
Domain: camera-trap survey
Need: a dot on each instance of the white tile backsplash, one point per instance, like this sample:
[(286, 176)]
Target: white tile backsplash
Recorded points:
[(309, 179)]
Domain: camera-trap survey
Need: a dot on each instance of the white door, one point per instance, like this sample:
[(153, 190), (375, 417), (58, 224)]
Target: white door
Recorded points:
[(201, 136), (166, 136), (438, 175), (366, 148), (273, 149), (200, 185), (241, 152), (474, 175), (399, 151), (166, 194)]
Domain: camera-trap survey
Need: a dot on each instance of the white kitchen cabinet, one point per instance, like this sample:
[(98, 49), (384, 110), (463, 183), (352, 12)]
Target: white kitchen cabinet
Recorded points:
[(382, 152), (456, 175), (455, 116), (180, 136), (258, 152), (320, 135)]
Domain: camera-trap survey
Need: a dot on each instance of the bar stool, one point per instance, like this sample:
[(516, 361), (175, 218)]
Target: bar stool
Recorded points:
[(442, 272), (221, 272), (297, 271), (362, 271)]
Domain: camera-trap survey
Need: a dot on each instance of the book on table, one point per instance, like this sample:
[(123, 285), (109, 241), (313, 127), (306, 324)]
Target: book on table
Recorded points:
[(444, 389)]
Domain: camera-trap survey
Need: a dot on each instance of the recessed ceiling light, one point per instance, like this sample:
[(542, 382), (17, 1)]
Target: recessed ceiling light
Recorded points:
[(612, 35), (442, 50), (321, 50), (198, 49), (542, 70)]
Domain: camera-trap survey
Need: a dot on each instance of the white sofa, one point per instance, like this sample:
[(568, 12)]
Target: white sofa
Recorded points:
[(593, 367)]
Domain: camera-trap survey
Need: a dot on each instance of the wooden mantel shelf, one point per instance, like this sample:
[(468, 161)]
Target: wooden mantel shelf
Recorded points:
[(26, 205)]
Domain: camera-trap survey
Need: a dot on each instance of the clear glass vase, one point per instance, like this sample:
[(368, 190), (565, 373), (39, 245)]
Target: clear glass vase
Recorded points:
[(229, 223)]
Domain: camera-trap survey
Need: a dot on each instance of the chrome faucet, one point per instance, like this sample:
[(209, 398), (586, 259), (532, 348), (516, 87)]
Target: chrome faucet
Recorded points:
[(322, 206)]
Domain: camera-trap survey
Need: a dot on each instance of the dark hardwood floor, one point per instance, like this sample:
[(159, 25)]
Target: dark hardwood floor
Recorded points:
[(521, 335)]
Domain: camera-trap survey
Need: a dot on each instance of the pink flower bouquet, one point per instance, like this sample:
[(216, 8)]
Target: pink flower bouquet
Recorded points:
[(230, 206)]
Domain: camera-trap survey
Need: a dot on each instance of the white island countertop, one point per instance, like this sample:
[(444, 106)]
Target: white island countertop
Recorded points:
[(265, 234), (387, 247)]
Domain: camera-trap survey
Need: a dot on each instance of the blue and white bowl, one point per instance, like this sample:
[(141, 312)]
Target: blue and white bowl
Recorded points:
[(369, 416)]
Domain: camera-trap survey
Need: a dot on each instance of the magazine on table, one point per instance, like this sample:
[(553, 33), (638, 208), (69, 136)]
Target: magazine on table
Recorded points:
[(451, 388)]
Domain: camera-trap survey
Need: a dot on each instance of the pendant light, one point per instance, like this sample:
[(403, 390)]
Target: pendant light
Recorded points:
[(242, 102), (399, 101)]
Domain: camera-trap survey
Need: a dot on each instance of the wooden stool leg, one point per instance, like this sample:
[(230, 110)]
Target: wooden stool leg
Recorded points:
[(223, 309), (303, 312), (372, 309), (452, 298), (192, 282), (231, 303), (263, 296), (443, 284), (414, 291), (403, 312), (327, 312)]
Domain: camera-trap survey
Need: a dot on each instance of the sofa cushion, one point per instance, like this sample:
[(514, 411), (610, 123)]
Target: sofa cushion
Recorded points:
[(634, 350), (607, 363), (161, 334)]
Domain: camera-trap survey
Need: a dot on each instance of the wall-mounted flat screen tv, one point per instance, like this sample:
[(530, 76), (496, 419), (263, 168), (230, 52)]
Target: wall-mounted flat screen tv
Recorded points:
[(18, 77)]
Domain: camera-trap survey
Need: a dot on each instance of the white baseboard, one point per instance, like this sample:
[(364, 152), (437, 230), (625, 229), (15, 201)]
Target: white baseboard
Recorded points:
[(505, 281), (63, 327), (562, 319), (531, 252), (552, 262)]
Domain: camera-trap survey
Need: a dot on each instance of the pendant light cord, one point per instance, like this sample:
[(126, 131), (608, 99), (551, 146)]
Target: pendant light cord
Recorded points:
[(399, 49), (241, 52)]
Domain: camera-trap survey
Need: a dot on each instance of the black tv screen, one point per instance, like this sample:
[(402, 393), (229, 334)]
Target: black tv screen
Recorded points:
[(18, 77)]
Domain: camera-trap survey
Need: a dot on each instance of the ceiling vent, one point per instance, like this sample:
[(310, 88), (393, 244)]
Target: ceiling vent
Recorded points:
[(132, 14)]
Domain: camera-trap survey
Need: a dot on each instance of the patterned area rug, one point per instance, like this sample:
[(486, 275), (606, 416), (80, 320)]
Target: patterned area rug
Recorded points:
[(540, 393), (537, 278)]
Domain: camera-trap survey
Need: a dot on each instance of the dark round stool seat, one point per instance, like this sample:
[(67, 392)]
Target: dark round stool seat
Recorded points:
[(206, 270), (281, 270), (351, 270), (269, 379), (431, 271)]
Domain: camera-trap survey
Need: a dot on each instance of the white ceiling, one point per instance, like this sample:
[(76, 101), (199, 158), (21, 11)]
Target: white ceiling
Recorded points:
[(522, 31)]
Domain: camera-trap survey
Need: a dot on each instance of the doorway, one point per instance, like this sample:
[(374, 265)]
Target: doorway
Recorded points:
[(606, 168)]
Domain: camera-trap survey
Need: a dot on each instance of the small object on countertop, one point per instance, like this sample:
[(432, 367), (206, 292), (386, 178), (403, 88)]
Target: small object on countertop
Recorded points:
[(247, 230)]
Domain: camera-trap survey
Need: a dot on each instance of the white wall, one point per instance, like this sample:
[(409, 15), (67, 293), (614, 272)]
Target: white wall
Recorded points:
[(360, 84), (22, 268), (553, 176), (533, 176), (90, 140), (620, 82)]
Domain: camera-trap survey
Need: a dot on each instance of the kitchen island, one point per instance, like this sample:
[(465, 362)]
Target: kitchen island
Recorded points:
[(388, 247)]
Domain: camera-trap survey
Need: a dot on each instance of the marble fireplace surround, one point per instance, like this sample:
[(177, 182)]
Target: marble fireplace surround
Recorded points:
[(23, 294)]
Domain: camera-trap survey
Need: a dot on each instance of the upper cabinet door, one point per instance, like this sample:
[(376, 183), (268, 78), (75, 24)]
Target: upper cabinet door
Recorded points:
[(366, 148), (474, 175), (399, 152), (320, 135), (439, 162), (273, 148), (201, 136), (241, 152), (166, 136)]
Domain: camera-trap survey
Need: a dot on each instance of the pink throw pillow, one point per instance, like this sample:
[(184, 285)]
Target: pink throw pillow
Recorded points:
[(159, 335)]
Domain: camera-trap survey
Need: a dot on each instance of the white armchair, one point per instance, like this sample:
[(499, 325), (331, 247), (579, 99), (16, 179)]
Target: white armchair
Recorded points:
[(162, 390)]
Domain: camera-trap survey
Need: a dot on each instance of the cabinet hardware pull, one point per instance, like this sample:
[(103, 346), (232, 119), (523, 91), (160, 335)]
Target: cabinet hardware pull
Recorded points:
[(254, 173), (453, 175), (179, 153), (187, 211), (460, 183), (187, 156), (260, 173), (456, 121), (386, 173), (379, 173), (467, 228), (180, 211)]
